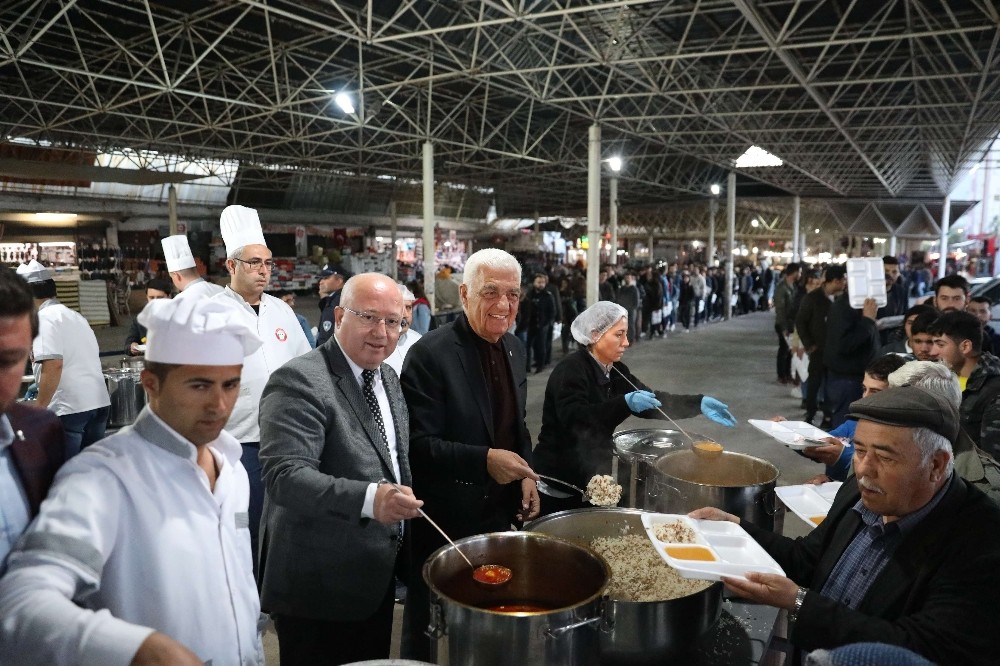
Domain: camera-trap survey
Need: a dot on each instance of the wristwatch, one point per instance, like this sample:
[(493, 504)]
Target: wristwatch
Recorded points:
[(800, 596)]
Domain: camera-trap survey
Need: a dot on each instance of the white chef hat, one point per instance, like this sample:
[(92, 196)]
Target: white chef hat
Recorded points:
[(405, 293), (592, 323), (33, 272), (197, 331), (240, 227), (177, 252)]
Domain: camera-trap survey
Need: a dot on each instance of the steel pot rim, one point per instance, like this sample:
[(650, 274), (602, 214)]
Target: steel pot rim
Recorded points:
[(599, 596), (777, 472)]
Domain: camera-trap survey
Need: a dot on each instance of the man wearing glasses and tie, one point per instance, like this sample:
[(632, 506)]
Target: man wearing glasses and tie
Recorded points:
[(249, 264), (335, 453)]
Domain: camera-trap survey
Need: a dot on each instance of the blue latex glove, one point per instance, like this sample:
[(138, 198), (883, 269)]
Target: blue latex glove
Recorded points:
[(640, 401), (717, 412)]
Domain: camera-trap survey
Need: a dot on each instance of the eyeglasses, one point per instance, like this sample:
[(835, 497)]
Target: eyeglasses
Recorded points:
[(371, 321), (257, 264)]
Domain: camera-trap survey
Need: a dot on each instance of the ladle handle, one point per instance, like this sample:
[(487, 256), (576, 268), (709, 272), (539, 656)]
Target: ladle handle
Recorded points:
[(438, 528), (665, 415), (565, 483)]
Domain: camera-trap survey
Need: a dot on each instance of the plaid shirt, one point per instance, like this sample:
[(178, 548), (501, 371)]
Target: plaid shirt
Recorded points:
[(870, 551)]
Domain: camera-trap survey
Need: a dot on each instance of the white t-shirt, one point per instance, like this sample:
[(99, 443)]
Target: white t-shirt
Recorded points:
[(65, 334)]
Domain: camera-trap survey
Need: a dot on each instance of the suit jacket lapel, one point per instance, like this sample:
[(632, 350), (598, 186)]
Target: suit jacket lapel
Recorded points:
[(400, 419), (347, 384), (472, 368)]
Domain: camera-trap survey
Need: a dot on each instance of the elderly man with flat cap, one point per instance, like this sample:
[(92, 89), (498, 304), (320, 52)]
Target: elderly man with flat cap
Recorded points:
[(141, 552), (908, 554)]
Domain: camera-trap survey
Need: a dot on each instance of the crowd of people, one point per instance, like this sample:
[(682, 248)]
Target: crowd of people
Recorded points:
[(270, 475)]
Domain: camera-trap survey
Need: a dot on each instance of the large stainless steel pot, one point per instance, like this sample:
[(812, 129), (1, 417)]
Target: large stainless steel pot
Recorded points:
[(133, 362), (635, 450), (127, 396), (682, 481), (636, 632), (547, 572)]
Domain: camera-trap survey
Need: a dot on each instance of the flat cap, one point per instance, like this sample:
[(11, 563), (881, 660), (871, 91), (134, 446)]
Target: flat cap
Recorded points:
[(909, 407)]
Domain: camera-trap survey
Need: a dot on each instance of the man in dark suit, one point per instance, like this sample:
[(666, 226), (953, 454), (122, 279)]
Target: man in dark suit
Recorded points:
[(31, 440), (334, 439), (466, 388), (909, 551)]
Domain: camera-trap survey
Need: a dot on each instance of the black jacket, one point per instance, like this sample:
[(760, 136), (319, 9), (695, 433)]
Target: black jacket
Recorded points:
[(936, 596), (136, 334), (851, 339), (980, 410), (583, 408), (810, 321), (451, 431)]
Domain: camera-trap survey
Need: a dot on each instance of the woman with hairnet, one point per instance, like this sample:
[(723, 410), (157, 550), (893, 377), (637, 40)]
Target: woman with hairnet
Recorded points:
[(585, 400)]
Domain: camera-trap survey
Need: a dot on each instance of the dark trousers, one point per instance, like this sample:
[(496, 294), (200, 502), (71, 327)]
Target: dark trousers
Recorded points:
[(251, 462), (841, 391), (536, 344), (308, 642), (784, 354), (817, 371), (82, 429)]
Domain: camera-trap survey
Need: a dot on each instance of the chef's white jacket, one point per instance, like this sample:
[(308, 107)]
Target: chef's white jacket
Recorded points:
[(65, 334), (283, 340), (200, 289), (131, 540)]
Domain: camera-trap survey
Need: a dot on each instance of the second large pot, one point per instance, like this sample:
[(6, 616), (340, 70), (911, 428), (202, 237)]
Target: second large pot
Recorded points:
[(128, 397), (636, 632), (563, 580), (682, 481)]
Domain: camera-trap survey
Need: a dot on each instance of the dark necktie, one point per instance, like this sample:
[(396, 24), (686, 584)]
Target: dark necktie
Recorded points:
[(368, 377)]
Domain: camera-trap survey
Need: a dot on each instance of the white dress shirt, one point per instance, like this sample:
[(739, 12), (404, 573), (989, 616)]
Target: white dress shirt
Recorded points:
[(14, 513), (131, 540)]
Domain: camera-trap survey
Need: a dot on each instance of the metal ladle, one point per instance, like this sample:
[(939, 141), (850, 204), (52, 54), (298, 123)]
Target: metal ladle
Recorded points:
[(711, 452), (482, 568)]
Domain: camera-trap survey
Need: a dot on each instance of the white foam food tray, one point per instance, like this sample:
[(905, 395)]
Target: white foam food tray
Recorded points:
[(794, 434), (734, 552), (809, 502), (866, 279)]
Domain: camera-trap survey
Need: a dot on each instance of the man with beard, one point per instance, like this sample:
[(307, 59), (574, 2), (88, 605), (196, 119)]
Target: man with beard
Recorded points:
[(908, 553), (958, 339), (982, 308), (951, 293)]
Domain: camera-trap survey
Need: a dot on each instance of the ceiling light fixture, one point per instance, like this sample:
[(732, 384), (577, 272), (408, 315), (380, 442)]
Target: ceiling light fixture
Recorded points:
[(755, 223), (615, 163), (715, 189), (755, 156), (344, 101), (55, 217)]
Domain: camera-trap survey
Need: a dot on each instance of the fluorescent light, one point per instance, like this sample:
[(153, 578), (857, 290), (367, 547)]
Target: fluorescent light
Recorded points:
[(615, 163), (755, 156), (55, 217), (344, 101), (715, 189)]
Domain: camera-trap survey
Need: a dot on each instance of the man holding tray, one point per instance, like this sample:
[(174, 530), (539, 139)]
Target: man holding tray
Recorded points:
[(908, 553)]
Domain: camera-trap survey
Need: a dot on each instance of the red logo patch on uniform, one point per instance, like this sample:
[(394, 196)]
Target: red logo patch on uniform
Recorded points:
[(280, 334)]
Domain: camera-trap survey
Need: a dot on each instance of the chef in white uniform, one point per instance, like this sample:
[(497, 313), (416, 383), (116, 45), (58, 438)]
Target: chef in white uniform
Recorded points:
[(181, 267), (141, 552), (408, 337), (249, 264), (67, 364)]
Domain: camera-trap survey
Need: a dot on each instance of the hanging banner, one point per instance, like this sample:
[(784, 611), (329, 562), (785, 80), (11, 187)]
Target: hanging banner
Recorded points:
[(301, 247)]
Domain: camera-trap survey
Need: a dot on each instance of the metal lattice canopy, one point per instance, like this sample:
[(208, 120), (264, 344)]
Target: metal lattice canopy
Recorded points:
[(888, 100)]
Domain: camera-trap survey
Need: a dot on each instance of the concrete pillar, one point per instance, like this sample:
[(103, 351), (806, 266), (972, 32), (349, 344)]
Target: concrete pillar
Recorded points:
[(730, 244), (593, 212), (428, 235), (945, 222), (613, 215), (393, 264), (796, 235), (172, 209), (713, 209), (649, 245)]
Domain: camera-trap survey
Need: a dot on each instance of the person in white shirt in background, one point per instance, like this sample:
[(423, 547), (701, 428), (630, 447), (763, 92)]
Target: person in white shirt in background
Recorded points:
[(67, 364), (249, 264), (141, 553), (408, 336), (181, 267)]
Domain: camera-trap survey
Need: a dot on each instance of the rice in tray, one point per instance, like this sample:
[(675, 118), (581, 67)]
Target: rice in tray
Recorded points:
[(603, 491), (674, 532), (638, 573)]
